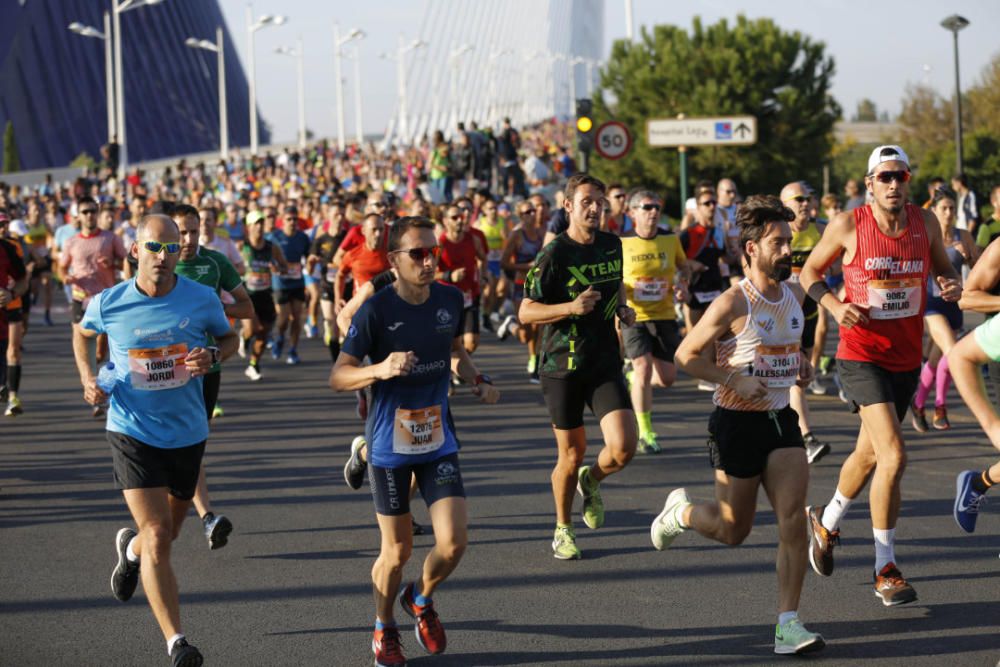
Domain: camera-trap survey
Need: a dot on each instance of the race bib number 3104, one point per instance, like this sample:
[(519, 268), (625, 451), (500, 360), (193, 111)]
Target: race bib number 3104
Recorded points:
[(158, 368), (417, 431), (777, 365)]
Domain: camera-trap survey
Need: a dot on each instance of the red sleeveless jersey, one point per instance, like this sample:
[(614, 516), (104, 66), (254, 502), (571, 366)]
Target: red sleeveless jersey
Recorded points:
[(888, 277)]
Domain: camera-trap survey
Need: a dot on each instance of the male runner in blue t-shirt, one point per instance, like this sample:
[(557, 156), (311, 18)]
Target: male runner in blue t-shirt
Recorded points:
[(411, 332), (157, 325), (290, 286)]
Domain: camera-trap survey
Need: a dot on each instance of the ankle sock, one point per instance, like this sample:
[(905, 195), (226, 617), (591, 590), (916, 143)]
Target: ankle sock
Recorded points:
[(885, 540), (786, 616), (173, 642), (835, 510), (419, 599), (130, 555)]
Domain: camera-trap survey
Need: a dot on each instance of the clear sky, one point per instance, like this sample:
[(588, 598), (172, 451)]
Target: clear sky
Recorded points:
[(878, 47)]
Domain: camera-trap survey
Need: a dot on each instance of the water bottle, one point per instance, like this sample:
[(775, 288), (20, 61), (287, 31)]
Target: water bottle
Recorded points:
[(106, 378)]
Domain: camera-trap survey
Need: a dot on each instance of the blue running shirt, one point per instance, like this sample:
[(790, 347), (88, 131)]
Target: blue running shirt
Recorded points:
[(155, 400), (295, 247), (409, 421)]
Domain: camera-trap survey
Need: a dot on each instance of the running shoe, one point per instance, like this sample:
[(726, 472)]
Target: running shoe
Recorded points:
[(217, 411), (667, 525), (277, 347), (361, 409), (185, 655), (840, 388), (940, 421), (354, 469), (427, 626), (125, 576), (48, 320), (919, 418), (14, 407), (487, 324), (815, 449), (593, 504), (648, 444), (417, 528), (532, 364), (253, 373), (310, 331), (533, 377), (968, 501), (891, 588), (217, 529), (792, 638), (704, 385), (242, 349), (293, 358), (824, 365), (564, 544), (387, 648), (816, 387), (503, 331), (821, 542)]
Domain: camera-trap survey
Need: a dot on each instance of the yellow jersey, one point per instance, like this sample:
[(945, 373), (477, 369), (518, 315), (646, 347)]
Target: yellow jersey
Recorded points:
[(803, 242), (648, 273)]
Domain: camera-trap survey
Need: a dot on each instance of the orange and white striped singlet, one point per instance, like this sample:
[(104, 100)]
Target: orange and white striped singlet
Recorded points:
[(766, 348)]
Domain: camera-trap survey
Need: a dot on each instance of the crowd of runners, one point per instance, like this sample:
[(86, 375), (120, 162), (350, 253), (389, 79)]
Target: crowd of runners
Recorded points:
[(400, 264)]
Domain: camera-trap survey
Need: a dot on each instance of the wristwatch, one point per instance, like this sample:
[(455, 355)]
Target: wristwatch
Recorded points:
[(216, 354), (482, 379)]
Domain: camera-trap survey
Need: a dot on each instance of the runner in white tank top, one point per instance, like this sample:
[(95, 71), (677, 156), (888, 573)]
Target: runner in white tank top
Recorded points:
[(756, 328)]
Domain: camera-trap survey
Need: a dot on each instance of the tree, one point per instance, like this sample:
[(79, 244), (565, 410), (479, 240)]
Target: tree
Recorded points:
[(867, 112), (11, 161), (751, 68)]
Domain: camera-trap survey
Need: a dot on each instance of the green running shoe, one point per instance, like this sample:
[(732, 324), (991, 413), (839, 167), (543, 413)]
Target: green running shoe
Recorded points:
[(648, 444), (564, 544), (792, 638), (217, 412), (667, 525), (593, 504)]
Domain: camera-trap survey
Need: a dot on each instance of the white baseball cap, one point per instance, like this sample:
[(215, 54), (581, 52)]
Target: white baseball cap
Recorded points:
[(887, 153)]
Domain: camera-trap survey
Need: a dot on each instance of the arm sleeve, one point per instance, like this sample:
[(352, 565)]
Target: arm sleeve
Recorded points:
[(92, 318)]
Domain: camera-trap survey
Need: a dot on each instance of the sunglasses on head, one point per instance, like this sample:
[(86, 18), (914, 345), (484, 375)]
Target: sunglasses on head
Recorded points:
[(156, 247), (420, 254), (797, 198), (901, 175), (650, 207)]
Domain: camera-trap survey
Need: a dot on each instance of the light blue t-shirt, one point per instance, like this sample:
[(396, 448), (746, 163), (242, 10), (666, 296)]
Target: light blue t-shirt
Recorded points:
[(155, 400)]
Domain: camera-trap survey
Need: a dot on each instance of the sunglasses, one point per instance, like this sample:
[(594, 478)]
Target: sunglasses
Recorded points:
[(902, 176), (88, 211), (455, 217), (156, 247), (527, 211), (797, 198), (420, 254), (622, 196), (650, 207), (708, 202)]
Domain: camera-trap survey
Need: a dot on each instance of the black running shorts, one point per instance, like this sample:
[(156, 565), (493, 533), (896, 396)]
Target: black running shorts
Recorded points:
[(211, 383), (437, 479), (866, 383), (657, 337), (141, 466), (285, 296), (263, 306), (470, 320), (740, 441), (566, 397)]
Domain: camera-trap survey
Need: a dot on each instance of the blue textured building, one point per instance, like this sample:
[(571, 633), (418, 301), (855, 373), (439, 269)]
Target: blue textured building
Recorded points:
[(52, 82)]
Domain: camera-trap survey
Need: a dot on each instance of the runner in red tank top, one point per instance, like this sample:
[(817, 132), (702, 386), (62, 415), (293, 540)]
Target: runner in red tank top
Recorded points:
[(888, 249), (461, 253)]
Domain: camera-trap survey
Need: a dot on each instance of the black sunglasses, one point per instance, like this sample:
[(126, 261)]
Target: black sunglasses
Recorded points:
[(420, 254), (650, 207), (88, 211), (708, 202), (902, 176)]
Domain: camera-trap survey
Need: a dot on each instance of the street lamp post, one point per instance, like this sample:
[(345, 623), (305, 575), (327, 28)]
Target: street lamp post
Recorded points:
[(955, 23), (253, 27), (219, 49), (453, 98), (339, 42), (109, 77), (297, 53), (401, 51), (358, 120), (118, 9)]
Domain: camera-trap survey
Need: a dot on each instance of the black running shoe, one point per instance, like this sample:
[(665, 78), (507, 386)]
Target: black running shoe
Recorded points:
[(185, 655), (217, 529), (125, 576), (417, 528), (354, 469)]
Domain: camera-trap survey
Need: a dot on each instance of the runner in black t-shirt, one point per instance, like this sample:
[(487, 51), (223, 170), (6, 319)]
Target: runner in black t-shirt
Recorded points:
[(575, 289), (321, 253)]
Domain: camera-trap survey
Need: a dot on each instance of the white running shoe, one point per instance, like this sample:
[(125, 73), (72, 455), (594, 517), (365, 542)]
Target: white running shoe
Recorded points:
[(252, 373)]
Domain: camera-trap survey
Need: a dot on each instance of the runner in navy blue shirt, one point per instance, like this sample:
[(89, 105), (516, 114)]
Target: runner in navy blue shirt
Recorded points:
[(412, 336), (290, 287)]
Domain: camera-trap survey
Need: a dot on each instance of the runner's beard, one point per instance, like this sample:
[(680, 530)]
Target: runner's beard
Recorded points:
[(780, 271)]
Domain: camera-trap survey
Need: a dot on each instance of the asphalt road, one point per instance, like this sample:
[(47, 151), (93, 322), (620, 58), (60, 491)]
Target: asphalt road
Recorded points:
[(293, 588)]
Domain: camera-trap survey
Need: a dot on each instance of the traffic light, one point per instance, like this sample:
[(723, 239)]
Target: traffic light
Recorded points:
[(584, 131)]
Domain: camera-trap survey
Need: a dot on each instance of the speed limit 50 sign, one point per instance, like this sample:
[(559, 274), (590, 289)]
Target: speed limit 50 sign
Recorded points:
[(613, 140)]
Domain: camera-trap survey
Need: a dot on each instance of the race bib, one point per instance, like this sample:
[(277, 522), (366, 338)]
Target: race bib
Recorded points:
[(777, 365), (294, 272), (258, 281), (707, 297), (157, 368), (894, 299), (650, 289), (418, 431), (331, 275), (494, 255), (467, 299), (317, 272)]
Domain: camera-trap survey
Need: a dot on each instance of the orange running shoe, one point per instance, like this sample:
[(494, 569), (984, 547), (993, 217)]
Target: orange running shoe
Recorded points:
[(428, 628)]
